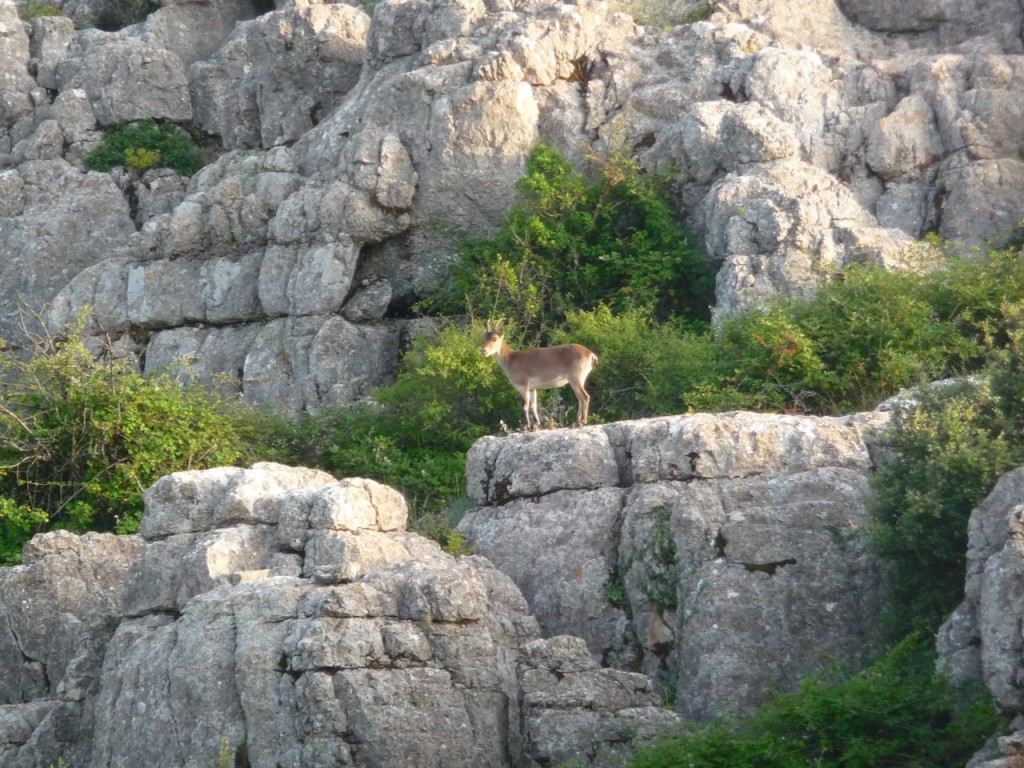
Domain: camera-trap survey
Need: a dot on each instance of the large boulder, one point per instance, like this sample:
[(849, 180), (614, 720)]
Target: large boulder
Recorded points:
[(280, 617), (60, 608), (126, 79), (58, 223), (719, 554)]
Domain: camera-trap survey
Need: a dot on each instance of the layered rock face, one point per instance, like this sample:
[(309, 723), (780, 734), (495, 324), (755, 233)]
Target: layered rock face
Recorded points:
[(981, 642), (718, 554), (801, 138), (278, 617)]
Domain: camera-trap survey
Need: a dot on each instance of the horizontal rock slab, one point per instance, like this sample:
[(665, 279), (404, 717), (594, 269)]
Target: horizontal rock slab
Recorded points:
[(201, 500), (499, 470)]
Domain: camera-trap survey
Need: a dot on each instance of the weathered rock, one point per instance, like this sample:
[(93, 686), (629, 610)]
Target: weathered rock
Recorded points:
[(981, 641), (698, 523), (982, 637), (196, 501), (406, 656), (784, 229), (273, 82), (557, 677), (66, 222), (126, 79), (60, 608), (193, 30), (800, 140), (15, 82), (50, 40)]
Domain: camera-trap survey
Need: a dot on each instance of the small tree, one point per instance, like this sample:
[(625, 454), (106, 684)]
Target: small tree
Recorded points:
[(574, 243)]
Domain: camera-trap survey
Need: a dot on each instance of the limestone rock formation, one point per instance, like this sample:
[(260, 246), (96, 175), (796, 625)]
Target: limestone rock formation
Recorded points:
[(981, 641), (801, 138), (284, 618), (719, 554)]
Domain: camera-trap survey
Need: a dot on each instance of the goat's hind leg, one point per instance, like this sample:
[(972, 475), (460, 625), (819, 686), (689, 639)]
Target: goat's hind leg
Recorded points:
[(533, 405), (582, 405)]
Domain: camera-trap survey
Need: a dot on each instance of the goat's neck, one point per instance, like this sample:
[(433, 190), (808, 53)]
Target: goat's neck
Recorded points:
[(504, 356)]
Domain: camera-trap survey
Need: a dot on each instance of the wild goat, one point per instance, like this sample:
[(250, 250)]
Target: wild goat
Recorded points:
[(543, 368)]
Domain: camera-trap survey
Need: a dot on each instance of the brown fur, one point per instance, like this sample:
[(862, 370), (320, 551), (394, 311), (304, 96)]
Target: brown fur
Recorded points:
[(543, 368)]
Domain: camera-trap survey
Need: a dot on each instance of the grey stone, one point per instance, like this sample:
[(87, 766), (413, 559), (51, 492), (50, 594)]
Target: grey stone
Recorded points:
[(126, 79), (741, 521)]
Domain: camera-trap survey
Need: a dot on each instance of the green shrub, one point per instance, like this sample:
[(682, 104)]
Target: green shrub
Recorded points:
[(33, 9), (665, 13), (81, 438), (896, 713), (571, 243), (944, 457), (878, 331), (146, 144), (646, 367), (449, 390), (979, 294)]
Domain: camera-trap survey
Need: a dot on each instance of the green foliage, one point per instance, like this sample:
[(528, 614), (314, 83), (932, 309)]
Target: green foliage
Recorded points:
[(146, 144), (946, 455), (646, 367), (666, 13), (449, 389), (897, 713), (878, 331), (456, 545), (81, 438), (571, 243), (33, 9)]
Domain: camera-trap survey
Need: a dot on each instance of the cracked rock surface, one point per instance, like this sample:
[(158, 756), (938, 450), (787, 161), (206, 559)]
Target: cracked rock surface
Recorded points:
[(717, 553), (355, 141), (289, 619)]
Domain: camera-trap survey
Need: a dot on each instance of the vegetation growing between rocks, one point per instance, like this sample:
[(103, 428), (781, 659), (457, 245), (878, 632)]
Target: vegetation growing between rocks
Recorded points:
[(576, 242), (33, 9), (899, 712), (599, 260), (147, 144), (81, 437)]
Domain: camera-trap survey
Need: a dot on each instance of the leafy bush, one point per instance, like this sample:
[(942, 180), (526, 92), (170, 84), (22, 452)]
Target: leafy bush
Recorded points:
[(570, 243), (450, 391), (945, 457), (81, 438), (646, 367), (146, 144), (896, 713)]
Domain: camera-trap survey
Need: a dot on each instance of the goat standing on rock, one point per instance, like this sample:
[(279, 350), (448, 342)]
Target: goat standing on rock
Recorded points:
[(543, 368)]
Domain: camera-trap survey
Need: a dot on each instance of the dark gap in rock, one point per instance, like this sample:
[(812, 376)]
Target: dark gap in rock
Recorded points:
[(769, 568)]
